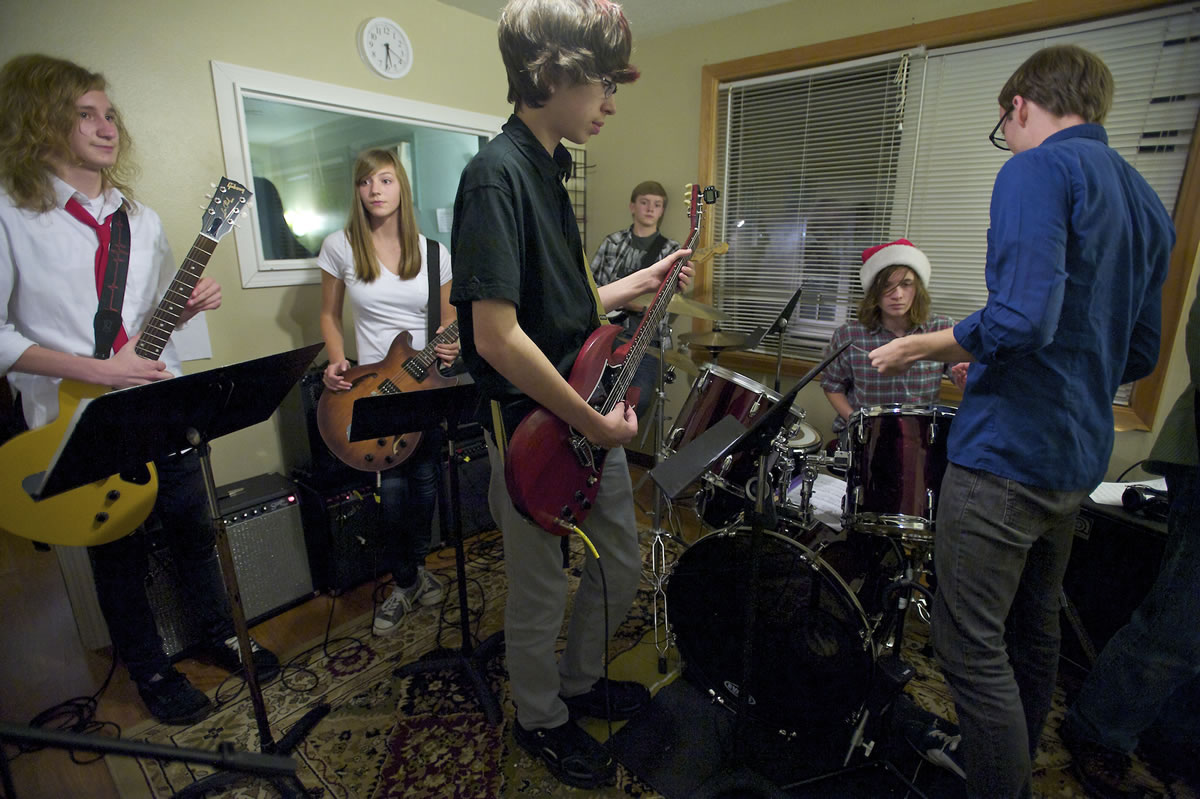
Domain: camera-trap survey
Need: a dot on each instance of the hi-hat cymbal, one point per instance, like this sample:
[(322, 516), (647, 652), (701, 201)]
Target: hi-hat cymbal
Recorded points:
[(677, 359), (681, 305), (715, 340)]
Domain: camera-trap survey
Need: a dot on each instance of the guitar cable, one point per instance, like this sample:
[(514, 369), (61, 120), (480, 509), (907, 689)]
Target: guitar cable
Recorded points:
[(76, 715), (604, 593)]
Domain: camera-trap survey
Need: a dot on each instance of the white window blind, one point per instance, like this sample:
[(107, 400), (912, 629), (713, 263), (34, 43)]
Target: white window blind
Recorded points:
[(808, 165), (1155, 63), (815, 166)]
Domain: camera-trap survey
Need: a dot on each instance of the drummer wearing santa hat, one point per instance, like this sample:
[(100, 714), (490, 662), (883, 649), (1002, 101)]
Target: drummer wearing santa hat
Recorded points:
[(895, 303)]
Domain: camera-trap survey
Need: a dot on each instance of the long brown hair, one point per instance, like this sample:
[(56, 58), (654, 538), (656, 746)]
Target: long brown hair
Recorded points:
[(37, 114), (868, 307), (358, 228)]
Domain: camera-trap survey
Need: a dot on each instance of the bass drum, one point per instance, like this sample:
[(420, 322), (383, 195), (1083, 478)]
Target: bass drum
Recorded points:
[(812, 657)]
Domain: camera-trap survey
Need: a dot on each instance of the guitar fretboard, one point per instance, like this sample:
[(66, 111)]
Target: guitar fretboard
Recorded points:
[(418, 365), (162, 323)]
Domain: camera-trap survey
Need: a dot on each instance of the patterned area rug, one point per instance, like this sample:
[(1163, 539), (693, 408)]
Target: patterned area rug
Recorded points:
[(426, 736)]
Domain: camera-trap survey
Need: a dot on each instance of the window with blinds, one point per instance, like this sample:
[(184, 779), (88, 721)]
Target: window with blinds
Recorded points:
[(808, 171), (856, 176)]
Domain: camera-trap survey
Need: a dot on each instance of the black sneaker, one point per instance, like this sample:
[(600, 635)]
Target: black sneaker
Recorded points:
[(625, 700), (171, 699), (1103, 771), (227, 655), (571, 755)]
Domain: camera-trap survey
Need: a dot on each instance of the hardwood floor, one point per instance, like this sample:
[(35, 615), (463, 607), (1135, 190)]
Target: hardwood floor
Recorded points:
[(43, 663)]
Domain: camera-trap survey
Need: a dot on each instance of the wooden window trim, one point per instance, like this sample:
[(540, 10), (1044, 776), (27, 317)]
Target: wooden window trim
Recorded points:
[(963, 29)]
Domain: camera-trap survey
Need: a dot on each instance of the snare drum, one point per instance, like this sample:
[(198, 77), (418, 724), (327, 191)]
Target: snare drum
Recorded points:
[(897, 459), (807, 441), (812, 650)]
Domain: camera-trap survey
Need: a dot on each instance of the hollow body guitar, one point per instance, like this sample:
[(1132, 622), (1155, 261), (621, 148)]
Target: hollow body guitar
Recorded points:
[(402, 369), (553, 472), (104, 511)]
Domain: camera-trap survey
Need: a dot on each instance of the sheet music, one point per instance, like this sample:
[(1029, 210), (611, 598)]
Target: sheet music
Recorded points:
[(827, 495), (1110, 493)]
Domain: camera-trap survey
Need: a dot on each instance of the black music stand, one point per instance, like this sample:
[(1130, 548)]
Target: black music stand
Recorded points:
[(189, 411), (394, 414)]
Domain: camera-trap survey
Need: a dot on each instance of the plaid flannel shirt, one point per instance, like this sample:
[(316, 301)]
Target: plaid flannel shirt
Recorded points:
[(852, 374), (616, 256)]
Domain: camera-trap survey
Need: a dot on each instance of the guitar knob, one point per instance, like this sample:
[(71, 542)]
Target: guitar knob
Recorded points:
[(381, 442), (567, 513), (368, 457), (403, 443), (388, 458), (579, 496), (586, 504), (113, 496), (101, 517)]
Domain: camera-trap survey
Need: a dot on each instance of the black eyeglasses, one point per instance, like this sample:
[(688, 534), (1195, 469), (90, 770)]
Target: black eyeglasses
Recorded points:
[(997, 135), (610, 87)]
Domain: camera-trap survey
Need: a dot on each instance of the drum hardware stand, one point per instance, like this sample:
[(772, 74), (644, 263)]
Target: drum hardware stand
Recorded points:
[(190, 411), (780, 324), (438, 408)]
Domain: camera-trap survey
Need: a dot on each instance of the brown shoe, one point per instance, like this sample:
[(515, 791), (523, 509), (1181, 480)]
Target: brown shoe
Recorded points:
[(1103, 771)]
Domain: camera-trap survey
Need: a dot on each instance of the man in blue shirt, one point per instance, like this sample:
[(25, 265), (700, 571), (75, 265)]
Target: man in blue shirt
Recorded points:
[(1078, 250)]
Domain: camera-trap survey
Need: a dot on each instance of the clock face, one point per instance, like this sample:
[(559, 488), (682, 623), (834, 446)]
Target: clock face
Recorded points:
[(385, 48)]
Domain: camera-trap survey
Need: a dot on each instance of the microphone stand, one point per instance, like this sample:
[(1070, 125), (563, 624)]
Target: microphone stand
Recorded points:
[(658, 548), (780, 324)]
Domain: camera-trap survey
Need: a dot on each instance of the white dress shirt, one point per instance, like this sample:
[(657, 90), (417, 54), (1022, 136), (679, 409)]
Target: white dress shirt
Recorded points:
[(48, 286)]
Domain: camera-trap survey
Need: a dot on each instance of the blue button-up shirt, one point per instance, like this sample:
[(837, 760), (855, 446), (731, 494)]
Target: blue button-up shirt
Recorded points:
[(1078, 250)]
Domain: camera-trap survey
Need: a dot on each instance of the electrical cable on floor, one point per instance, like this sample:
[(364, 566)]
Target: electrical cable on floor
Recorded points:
[(74, 715)]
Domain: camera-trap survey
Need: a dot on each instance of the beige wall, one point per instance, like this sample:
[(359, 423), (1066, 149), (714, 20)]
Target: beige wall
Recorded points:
[(653, 136), (156, 55)]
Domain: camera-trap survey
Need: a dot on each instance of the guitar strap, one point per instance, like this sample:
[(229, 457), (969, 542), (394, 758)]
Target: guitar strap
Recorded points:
[(111, 270), (651, 255), (433, 311)]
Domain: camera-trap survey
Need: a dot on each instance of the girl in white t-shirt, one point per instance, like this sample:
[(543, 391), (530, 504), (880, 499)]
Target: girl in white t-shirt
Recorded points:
[(378, 261)]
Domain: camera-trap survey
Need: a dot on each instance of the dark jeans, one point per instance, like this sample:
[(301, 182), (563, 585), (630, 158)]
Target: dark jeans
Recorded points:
[(121, 570), (1149, 672), (408, 493), (1000, 553)]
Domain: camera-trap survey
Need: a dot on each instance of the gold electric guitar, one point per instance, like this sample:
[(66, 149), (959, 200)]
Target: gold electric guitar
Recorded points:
[(104, 511)]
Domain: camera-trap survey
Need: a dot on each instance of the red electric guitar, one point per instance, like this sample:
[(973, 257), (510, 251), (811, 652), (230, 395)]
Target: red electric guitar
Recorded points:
[(552, 471)]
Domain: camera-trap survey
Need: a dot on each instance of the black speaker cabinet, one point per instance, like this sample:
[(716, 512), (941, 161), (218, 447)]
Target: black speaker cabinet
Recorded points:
[(474, 475), (343, 529), (266, 538), (1115, 559)]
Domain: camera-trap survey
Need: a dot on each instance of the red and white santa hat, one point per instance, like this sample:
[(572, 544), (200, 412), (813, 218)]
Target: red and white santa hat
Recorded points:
[(900, 252)]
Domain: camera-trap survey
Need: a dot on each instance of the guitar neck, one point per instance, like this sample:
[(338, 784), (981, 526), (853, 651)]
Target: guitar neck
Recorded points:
[(165, 319), (418, 365)]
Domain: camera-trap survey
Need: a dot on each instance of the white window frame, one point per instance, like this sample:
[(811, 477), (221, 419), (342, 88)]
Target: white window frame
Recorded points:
[(232, 82)]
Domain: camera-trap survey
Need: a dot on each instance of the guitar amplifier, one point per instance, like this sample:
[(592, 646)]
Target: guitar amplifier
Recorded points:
[(342, 529), (1115, 559), (474, 476), (266, 538)]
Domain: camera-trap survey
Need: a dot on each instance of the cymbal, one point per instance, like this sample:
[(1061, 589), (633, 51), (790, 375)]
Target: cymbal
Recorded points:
[(677, 359), (681, 305), (715, 340)]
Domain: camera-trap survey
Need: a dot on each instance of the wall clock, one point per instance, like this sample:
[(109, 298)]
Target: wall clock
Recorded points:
[(385, 47)]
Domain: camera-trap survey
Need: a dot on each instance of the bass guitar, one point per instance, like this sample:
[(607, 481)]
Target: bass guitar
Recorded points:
[(552, 471), (104, 511), (403, 369)]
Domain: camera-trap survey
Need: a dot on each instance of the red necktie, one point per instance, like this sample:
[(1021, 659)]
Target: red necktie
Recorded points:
[(104, 234)]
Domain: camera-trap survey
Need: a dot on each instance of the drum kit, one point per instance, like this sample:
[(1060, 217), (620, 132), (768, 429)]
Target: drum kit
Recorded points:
[(828, 604)]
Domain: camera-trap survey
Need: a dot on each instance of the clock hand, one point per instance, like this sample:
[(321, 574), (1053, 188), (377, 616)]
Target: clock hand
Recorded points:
[(387, 52)]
